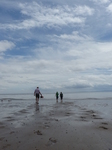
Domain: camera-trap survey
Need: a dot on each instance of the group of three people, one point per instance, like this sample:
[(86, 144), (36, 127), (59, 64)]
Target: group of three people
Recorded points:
[(37, 94)]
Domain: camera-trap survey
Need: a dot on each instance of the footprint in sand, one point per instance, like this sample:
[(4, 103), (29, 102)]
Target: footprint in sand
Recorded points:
[(51, 141), (67, 114), (90, 111), (56, 120), (83, 117), (103, 127), (38, 132), (47, 126), (12, 132), (6, 146), (104, 123), (1, 127), (96, 117)]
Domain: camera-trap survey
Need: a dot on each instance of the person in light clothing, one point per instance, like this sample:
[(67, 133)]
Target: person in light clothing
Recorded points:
[(37, 93)]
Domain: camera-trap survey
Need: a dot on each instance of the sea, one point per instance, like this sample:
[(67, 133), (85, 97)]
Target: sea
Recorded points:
[(24, 103), (51, 96)]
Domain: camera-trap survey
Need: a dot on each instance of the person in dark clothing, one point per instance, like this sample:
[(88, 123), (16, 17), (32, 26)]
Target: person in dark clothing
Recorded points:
[(57, 94), (61, 95)]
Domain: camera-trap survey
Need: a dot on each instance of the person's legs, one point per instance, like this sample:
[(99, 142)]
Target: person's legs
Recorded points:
[(56, 98), (37, 98)]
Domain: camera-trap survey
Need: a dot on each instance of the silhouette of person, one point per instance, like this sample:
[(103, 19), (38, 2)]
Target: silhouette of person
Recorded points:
[(61, 95), (57, 95), (36, 94)]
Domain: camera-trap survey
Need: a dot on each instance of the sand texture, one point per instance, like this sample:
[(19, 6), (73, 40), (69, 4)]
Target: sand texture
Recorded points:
[(67, 125)]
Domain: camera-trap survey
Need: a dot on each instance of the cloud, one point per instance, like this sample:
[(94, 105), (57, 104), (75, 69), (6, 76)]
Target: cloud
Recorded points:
[(74, 64), (109, 8), (56, 46), (6, 45), (66, 56), (101, 1), (86, 54), (84, 10), (40, 15)]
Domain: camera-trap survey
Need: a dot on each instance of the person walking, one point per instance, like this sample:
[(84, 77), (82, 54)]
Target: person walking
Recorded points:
[(57, 94), (61, 96), (37, 94)]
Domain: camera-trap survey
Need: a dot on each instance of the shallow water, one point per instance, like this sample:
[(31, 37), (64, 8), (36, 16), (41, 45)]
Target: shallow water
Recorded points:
[(23, 105), (48, 96)]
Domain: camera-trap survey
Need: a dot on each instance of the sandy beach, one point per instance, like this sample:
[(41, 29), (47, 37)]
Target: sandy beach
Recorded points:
[(67, 125)]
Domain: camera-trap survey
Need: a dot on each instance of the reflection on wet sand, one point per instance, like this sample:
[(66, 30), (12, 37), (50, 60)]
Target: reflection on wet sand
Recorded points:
[(50, 125), (37, 107)]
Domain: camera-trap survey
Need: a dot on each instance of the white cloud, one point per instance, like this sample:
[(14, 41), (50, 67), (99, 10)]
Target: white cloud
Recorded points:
[(39, 15), (101, 1), (109, 8), (87, 54), (105, 1), (6, 45), (54, 16), (70, 57), (72, 63), (84, 10), (74, 37)]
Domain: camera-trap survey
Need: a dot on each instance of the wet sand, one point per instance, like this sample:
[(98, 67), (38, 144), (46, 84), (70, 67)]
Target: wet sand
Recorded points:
[(67, 125)]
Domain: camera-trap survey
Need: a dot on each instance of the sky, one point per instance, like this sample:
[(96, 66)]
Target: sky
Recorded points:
[(57, 45)]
